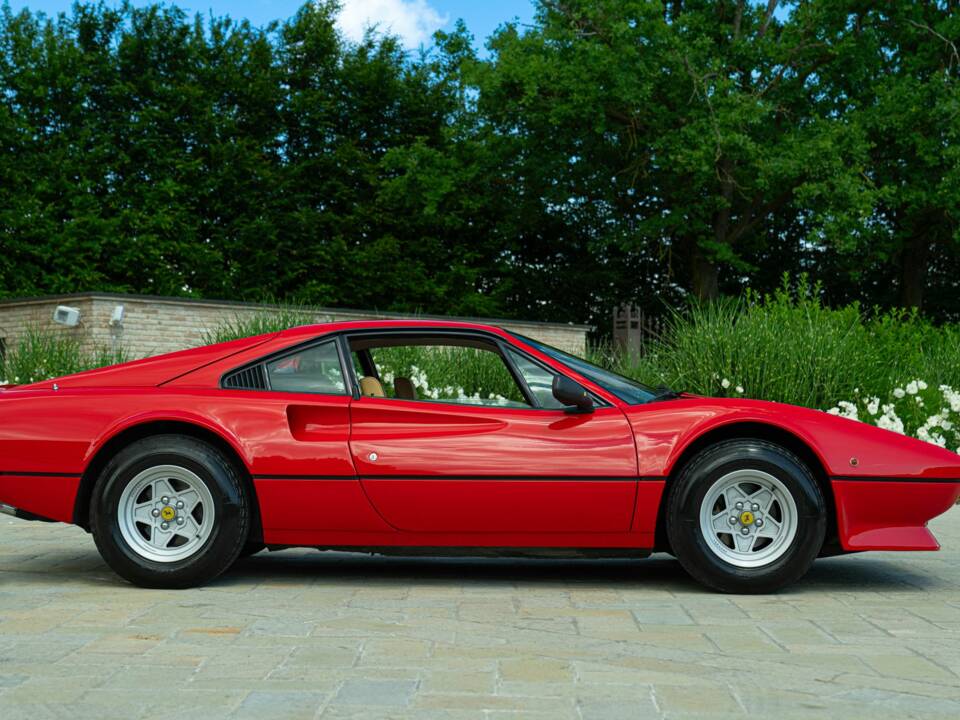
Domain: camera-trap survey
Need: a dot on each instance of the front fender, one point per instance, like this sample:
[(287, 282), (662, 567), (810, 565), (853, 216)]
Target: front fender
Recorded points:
[(845, 448)]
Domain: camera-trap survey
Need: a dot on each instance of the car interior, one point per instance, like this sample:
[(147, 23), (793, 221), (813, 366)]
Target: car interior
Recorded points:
[(440, 368)]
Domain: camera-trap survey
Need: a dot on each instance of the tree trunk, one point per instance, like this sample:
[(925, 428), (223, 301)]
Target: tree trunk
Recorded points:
[(913, 270), (704, 276)]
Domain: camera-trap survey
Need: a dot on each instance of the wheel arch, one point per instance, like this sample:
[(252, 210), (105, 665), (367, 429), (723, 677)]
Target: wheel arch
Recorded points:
[(751, 430), (151, 428)]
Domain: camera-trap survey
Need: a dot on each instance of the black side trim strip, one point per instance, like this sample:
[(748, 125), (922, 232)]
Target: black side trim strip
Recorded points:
[(854, 478), (525, 478), (40, 474)]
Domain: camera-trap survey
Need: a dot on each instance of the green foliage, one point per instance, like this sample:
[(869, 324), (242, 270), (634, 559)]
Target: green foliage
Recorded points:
[(615, 150), (44, 354), (259, 322), (789, 347), (675, 130), (145, 151)]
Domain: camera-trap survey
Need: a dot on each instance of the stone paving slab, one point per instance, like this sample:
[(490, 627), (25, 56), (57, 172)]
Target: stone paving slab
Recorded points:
[(302, 634)]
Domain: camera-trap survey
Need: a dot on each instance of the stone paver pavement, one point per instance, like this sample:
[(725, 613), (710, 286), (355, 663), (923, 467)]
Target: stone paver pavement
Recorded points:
[(300, 634)]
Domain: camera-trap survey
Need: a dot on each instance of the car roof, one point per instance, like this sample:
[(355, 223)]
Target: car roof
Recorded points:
[(413, 323)]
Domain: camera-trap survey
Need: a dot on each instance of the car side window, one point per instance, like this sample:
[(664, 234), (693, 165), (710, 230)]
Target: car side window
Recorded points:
[(313, 370), (442, 372), (538, 379)]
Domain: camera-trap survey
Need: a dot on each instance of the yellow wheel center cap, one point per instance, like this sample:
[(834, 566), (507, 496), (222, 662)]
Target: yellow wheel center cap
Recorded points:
[(168, 513), (746, 518)]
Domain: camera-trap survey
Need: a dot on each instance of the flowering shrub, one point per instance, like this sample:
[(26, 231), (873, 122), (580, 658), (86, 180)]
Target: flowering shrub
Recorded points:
[(454, 393), (789, 347), (915, 408)]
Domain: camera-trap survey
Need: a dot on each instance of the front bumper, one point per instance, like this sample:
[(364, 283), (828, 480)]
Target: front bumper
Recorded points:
[(891, 513)]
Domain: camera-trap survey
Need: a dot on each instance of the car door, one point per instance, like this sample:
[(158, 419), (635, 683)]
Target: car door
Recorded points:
[(444, 465)]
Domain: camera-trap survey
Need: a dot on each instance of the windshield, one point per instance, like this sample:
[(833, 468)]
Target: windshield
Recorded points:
[(630, 391)]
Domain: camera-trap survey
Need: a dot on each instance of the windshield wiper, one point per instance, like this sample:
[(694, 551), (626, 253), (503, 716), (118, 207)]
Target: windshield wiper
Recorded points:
[(663, 393)]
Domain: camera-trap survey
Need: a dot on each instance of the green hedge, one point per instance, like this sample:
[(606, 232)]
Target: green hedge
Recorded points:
[(790, 348)]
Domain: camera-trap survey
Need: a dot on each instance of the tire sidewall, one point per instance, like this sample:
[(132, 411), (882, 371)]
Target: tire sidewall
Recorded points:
[(227, 536), (696, 480)]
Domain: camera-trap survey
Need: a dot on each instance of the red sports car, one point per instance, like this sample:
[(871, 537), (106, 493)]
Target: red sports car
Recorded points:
[(449, 437)]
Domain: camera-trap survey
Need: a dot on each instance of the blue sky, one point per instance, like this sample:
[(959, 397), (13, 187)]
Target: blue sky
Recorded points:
[(411, 19)]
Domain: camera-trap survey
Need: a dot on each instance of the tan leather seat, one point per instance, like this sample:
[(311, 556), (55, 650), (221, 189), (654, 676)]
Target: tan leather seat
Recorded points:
[(371, 387), (403, 388)]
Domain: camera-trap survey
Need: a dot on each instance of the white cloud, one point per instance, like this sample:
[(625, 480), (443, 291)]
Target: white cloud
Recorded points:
[(413, 21)]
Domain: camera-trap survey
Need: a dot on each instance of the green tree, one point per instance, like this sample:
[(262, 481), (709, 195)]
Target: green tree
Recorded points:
[(683, 126), (911, 111)]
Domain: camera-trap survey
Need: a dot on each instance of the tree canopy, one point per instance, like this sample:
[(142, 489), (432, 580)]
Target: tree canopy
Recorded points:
[(614, 151)]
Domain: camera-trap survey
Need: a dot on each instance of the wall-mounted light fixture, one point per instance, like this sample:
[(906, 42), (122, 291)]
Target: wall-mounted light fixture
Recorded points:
[(68, 316)]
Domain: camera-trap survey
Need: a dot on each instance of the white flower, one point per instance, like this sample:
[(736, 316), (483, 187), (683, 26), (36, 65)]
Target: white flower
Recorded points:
[(844, 409), (921, 384), (725, 383), (740, 389), (898, 393), (873, 405), (848, 410), (889, 420), (912, 388)]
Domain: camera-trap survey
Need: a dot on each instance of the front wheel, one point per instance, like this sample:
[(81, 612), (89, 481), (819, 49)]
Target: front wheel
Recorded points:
[(169, 512), (746, 516)]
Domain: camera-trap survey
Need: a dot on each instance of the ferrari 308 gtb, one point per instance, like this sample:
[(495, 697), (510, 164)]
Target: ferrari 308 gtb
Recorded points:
[(449, 438)]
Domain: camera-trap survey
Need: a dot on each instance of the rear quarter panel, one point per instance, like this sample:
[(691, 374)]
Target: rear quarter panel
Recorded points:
[(48, 438)]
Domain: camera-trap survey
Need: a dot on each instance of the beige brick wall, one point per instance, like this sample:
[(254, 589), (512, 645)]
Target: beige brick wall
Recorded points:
[(16, 318), (157, 325)]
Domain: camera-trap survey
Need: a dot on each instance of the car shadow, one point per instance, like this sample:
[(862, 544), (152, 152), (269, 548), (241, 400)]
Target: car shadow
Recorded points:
[(659, 572), (852, 573), (379, 570)]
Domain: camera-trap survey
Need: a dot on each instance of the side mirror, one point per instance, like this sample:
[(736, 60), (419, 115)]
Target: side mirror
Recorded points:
[(572, 394)]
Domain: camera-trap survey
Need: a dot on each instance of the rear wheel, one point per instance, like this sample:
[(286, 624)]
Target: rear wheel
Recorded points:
[(169, 512), (746, 516)]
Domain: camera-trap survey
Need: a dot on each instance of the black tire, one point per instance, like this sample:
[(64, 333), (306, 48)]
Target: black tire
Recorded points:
[(227, 536), (690, 488)]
